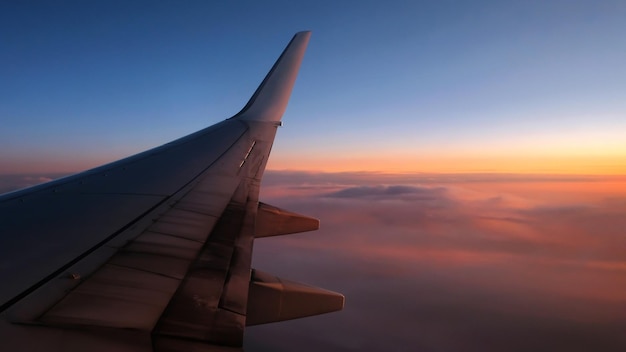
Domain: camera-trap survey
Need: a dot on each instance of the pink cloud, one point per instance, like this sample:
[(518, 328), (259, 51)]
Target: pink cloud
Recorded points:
[(459, 262)]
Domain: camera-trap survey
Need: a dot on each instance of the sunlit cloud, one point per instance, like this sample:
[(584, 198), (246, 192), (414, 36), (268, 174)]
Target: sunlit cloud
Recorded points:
[(454, 262), (14, 182)]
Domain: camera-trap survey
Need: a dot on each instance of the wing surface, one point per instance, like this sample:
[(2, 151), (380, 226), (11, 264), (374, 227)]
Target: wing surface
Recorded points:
[(153, 252)]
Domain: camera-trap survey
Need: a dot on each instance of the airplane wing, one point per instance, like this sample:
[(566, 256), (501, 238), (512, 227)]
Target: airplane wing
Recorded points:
[(153, 252)]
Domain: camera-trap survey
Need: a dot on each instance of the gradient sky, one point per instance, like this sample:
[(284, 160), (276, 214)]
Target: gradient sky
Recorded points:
[(404, 86)]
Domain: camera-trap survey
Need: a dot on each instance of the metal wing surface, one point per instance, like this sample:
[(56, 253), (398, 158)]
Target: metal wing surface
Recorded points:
[(153, 252)]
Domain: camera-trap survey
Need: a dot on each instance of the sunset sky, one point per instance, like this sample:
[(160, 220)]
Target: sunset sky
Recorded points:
[(467, 159), (402, 86)]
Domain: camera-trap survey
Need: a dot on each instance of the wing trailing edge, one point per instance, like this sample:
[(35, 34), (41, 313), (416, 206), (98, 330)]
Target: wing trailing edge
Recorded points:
[(271, 299), (274, 221)]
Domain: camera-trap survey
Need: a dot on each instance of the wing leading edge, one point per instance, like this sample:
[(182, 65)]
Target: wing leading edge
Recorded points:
[(153, 252)]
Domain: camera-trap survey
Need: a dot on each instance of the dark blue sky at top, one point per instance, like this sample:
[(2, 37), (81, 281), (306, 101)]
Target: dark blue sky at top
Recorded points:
[(102, 80)]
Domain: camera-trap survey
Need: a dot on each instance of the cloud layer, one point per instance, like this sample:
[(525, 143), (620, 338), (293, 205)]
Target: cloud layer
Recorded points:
[(14, 182), (453, 263)]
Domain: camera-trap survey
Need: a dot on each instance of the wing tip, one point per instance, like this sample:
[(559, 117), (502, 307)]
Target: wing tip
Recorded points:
[(305, 32), (269, 101)]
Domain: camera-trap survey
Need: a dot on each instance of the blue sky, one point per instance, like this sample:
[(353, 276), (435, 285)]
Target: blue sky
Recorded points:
[(89, 82)]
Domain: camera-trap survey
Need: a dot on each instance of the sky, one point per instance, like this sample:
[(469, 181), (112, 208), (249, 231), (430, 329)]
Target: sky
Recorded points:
[(467, 159), (402, 86)]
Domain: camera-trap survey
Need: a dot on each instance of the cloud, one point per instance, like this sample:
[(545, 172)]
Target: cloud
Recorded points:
[(10, 183), (436, 264), (386, 192), (37, 179)]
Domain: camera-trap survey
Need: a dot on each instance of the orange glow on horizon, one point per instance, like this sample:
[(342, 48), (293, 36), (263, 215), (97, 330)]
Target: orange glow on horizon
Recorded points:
[(581, 165), (607, 163)]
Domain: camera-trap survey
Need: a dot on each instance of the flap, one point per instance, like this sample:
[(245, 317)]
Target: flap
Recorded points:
[(273, 221), (272, 299)]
